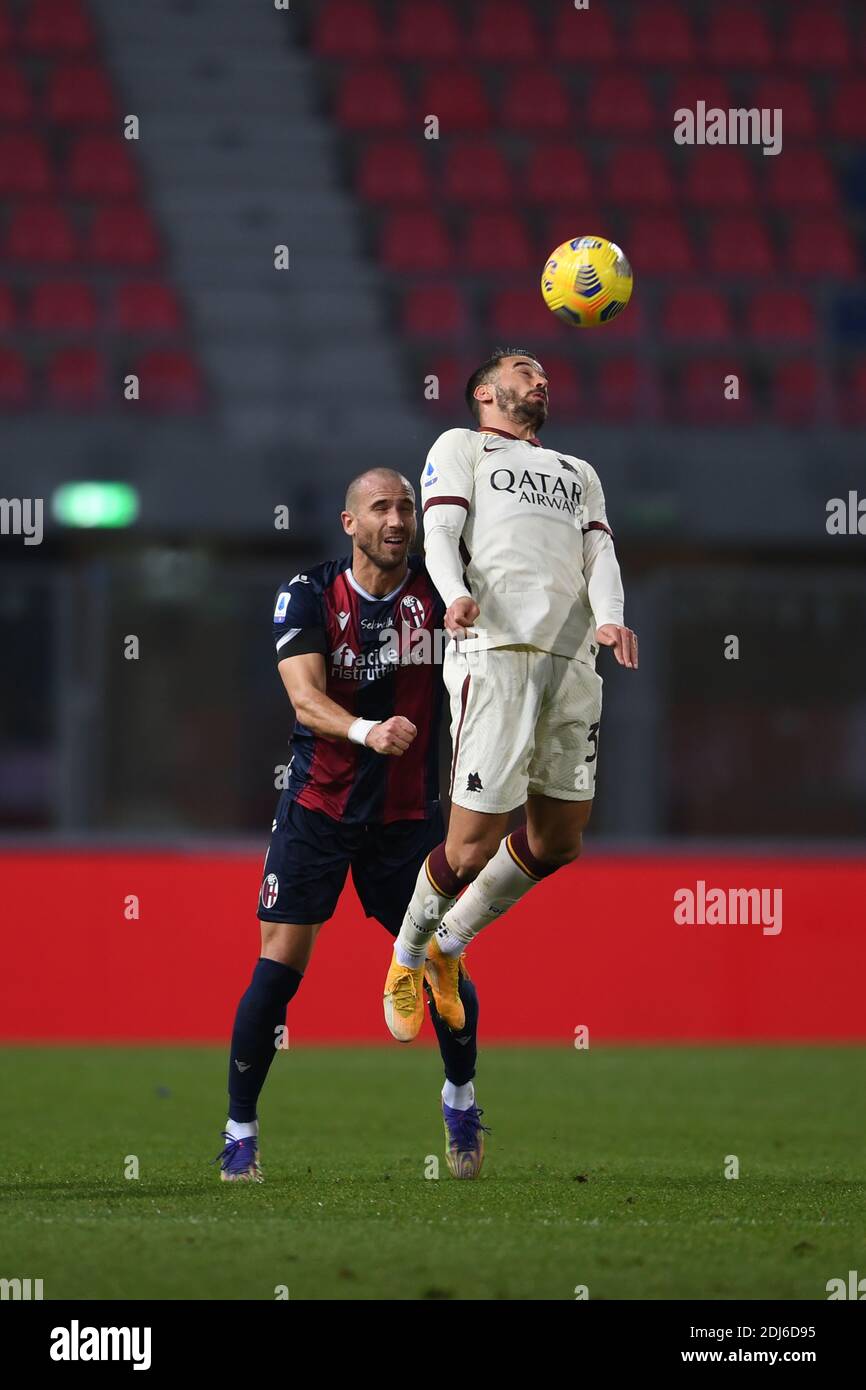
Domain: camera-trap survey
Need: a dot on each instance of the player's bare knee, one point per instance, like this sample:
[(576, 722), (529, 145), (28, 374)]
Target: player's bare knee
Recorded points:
[(557, 853), (467, 860)]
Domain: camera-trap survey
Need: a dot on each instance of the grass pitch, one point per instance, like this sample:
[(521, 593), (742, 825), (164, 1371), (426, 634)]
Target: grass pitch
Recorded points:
[(605, 1168)]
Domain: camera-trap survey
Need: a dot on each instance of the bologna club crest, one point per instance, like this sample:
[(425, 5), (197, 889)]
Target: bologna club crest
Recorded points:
[(270, 890), (412, 611)]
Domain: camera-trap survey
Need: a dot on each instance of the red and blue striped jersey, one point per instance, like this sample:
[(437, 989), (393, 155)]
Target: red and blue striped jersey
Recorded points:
[(383, 656)]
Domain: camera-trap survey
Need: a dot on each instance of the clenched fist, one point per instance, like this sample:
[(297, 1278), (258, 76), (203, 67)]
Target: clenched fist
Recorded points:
[(460, 616), (392, 737)]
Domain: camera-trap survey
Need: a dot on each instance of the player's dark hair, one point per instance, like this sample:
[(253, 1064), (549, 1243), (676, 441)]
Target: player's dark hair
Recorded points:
[(487, 371)]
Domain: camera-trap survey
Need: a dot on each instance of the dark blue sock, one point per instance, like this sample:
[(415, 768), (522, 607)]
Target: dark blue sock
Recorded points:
[(261, 1012), (459, 1057)]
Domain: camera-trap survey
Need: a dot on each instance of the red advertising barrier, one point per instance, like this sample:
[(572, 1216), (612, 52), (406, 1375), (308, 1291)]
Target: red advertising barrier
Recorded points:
[(604, 944)]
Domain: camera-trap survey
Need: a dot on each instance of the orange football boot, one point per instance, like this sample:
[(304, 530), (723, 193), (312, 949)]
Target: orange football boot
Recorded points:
[(443, 976), (404, 1000)]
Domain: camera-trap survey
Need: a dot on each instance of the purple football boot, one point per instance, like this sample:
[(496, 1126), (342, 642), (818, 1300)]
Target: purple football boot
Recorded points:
[(464, 1134), (239, 1160)]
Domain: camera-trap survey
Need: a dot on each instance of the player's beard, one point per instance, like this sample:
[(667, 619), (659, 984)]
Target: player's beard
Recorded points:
[(378, 553), (522, 410)]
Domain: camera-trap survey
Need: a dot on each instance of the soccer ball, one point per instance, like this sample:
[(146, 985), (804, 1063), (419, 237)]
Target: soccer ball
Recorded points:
[(587, 281)]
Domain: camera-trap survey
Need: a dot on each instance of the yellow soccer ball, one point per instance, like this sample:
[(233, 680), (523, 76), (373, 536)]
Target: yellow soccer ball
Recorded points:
[(587, 281)]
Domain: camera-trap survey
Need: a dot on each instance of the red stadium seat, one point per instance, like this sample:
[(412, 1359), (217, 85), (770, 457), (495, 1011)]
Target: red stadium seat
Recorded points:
[(620, 103), (77, 379), (720, 177), (476, 172), (587, 37), (169, 380), (504, 32), (8, 309), (738, 37), (793, 97), (565, 386), (146, 307), (348, 29), (567, 221), (820, 247), (100, 166), (661, 34), (123, 235), (415, 240), (555, 173), (817, 37), (698, 395), (806, 181), (372, 98), (452, 374), (41, 232), (800, 393), (781, 316), (517, 315), (738, 244), (457, 97), (639, 176), (536, 100), (699, 315), (692, 87), (847, 114), (426, 31), (62, 305), (852, 393), (53, 27), (15, 388), (16, 100), (623, 389), (7, 35), (658, 244), (394, 171), (80, 94), (496, 241), (25, 166), (434, 311)]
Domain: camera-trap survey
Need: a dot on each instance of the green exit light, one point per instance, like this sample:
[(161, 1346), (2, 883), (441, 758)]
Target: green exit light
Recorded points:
[(95, 504)]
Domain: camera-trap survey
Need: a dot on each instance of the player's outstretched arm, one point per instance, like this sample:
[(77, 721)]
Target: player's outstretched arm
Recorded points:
[(306, 683), (604, 590)]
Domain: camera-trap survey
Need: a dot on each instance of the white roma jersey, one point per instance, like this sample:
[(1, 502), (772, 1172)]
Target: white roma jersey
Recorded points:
[(527, 509)]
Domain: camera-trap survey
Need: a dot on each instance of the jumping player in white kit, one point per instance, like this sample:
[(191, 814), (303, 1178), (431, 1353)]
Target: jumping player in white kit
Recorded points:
[(518, 545)]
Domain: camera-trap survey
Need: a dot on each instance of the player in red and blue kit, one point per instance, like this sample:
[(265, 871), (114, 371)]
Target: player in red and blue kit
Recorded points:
[(357, 643)]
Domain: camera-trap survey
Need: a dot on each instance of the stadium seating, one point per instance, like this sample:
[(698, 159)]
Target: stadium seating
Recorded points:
[(145, 306), (77, 379), (555, 122), (426, 31), (65, 305), (76, 227), (434, 311), (738, 244)]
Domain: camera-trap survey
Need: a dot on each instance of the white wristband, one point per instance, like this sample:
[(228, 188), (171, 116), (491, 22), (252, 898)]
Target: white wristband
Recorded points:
[(359, 730)]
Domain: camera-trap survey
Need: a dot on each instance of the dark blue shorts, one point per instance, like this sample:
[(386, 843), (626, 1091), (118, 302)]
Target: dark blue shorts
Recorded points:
[(310, 854)]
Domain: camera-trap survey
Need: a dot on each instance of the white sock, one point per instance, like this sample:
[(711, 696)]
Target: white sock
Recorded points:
[(501, 884), (458, 1097), (238, 1129), (427, 907)]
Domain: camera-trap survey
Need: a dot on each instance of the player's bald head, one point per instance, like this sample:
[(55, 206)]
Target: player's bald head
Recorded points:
[(376, 480)]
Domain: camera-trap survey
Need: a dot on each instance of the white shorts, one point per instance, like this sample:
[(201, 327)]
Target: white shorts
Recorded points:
[(522, 722)]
